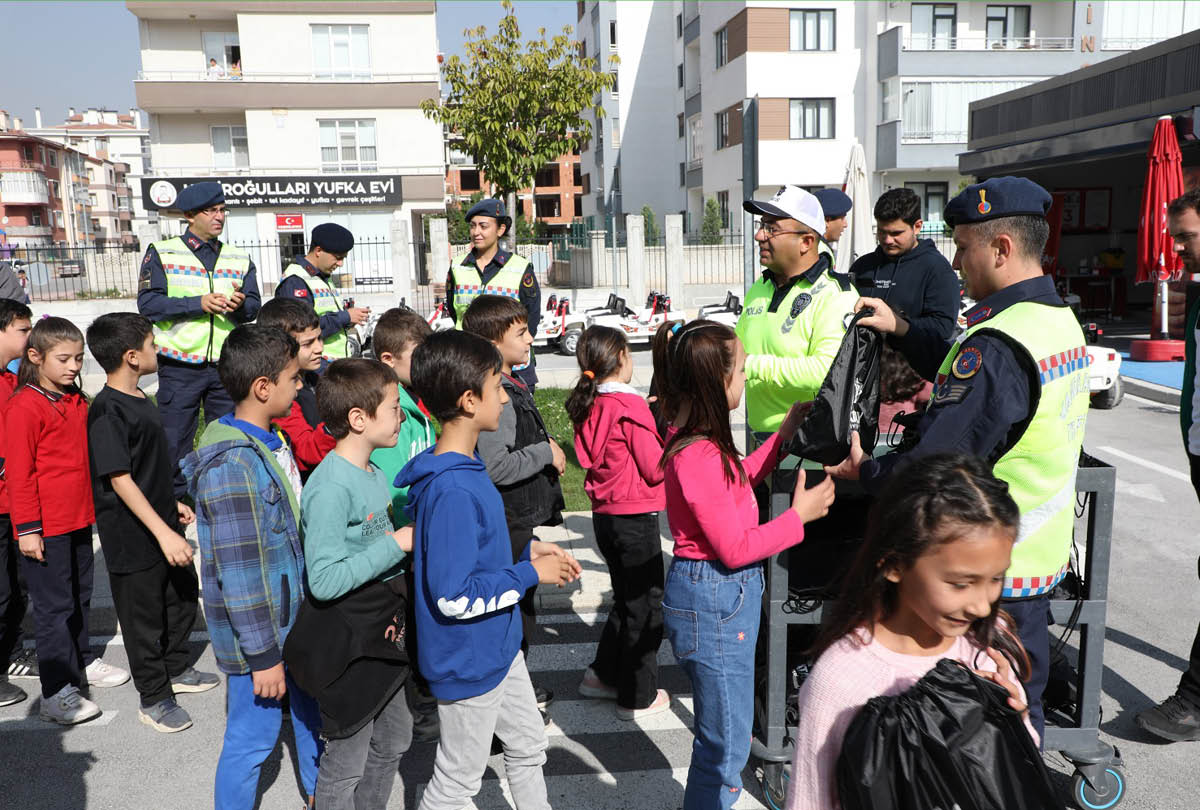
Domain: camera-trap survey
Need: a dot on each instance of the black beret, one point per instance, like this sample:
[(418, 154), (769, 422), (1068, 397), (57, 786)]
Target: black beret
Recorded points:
[(997, 197), (332, 238), (488, 208), (199, 196), (834, 202)]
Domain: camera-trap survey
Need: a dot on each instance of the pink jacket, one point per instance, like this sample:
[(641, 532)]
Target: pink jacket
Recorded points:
[(712, 519), (620, 448)]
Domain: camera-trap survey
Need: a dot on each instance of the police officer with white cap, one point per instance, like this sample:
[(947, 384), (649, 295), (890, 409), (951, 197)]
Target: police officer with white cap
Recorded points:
[(307, 280), (195, 289)]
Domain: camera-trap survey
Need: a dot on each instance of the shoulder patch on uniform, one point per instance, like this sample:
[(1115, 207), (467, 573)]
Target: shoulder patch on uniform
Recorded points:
[(968, 363), (300, 292), (949, 393), (528, 281), (978, 315)]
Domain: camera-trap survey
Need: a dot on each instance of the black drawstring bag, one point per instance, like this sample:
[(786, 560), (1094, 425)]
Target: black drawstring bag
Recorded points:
[(847, 401), (951, 741)]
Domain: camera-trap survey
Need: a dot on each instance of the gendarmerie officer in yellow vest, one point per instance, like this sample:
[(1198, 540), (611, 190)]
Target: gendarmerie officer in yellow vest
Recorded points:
[(1012, 388), (195, 289), (487, 270), (307, 280)]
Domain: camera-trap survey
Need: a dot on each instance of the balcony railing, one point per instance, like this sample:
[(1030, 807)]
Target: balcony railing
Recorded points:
[(256, 76), (931, 136), (929, 42), (28, 230), (1129, 43)]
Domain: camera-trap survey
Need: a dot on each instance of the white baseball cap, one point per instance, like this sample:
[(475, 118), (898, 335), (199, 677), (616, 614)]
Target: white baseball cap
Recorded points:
[(791, 202)]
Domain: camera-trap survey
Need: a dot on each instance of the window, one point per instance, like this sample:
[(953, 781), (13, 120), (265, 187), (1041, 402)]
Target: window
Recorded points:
[(811, 30), (723, 204), (348, 145), (678, 25), (936, 112), (680, 119), (722, 129), (341, 52), (547, 175), (58, 219), (683, 174), (92, 200), (468, 180), (577, 200), (35, 218), (679, 76), (221, 53), (547, 206), (933, 26), (230, 148), (889, 98), (614, 84), (721, 46), (612, 35), (54, 188), (1007, 26), (695, 142), (1129, 24), (811, 118), (576, 175), (933, 199), (616, 180), (41, 154), (53, 159), (28, 148)]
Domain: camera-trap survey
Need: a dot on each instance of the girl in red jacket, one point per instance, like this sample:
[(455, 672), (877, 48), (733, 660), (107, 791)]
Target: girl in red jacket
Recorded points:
[(616, 442), (715, 584), (46, 468)]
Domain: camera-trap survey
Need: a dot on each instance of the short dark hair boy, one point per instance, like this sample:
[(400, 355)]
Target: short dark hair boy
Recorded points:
[(898, 203), (396, 330), (354, 382), (490, 316), (288, 315), (448, 365), (252, 352), (154, 585), (11, 310)]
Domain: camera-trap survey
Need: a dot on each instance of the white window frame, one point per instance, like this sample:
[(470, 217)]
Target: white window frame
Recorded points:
[(1006, 16), (356, 39), (798, 118), (232, 132), (721, 46), (229, 40), (340, 128), (798, 29), (932, 41)]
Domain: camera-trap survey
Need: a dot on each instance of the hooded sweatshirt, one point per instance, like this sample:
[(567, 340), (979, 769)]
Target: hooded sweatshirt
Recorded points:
[(466, 584), (416, 435), (619, 446), (920, 285)]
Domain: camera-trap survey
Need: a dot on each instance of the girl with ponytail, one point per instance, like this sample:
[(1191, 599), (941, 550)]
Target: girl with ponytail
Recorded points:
[(616, 442)]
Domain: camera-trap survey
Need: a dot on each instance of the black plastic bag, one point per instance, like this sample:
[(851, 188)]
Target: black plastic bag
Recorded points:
[(951, 741), (847, 401)]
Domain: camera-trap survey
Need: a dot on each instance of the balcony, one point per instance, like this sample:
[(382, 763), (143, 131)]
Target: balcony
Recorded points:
[(28, 230), (974, 55), (23, 188), (191, 91), (896, 148), (221, 10), (124, 214)]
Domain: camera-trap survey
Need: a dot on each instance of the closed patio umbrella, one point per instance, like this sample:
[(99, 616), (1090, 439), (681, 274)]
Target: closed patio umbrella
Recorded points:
[(1156, 259)]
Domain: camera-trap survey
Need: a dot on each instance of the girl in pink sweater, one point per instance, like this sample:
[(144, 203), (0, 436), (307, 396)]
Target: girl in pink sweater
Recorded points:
[(616, 442), (713, 594), (924, 586)]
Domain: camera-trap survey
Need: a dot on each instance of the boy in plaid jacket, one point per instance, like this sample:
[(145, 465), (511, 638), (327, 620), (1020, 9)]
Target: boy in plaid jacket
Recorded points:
[(246, 488)]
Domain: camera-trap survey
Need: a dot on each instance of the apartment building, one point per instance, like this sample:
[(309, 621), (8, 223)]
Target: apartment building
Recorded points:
[(305, 112), (44, 195), (896, 77), (123, 143), (555, 199)]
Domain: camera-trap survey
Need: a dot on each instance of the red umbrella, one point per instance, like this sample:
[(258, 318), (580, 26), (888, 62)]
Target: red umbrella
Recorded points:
[(1156, 258)]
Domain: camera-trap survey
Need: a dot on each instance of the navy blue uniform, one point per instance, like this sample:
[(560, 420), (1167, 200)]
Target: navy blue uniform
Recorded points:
[(529, 294), (977, 416), (182, 386), (295, 287)]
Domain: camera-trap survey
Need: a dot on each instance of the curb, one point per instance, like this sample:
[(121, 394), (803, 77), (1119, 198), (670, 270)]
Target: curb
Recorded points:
[(1152, 391)]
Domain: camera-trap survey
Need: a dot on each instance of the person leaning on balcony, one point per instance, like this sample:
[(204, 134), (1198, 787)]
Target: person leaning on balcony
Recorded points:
[(795, 316), (195, 289), (488, 270), (307, 280)]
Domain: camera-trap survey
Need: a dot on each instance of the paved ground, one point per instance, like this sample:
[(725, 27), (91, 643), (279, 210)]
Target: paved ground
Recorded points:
[(597, 761)]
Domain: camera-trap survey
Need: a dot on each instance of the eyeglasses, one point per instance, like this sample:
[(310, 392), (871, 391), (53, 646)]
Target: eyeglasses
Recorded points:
[(772, 230)]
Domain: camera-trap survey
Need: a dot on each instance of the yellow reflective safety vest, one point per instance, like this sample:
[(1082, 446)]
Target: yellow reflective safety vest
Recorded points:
[(198, 338), (468, 284), (1040, 467), (325, 299)]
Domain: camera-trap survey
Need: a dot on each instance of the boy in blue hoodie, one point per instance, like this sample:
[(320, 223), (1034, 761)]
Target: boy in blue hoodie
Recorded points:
[(467, 587), (246, 488)]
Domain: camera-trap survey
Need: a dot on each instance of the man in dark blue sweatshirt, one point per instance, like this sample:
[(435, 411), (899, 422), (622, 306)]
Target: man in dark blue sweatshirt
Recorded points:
[(467, 586), (910, 274)]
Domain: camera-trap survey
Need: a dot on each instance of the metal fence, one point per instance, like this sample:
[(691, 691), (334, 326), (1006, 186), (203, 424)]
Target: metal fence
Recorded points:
[(74, 273)]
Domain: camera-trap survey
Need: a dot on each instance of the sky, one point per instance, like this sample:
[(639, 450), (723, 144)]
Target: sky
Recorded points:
[(85, 54)]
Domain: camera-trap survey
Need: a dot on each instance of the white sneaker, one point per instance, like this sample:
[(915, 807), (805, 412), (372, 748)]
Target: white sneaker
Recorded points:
[(662, 702), (68, 707), (104, 675)]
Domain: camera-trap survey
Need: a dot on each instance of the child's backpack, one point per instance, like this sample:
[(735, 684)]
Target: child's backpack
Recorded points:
[(951, 742)]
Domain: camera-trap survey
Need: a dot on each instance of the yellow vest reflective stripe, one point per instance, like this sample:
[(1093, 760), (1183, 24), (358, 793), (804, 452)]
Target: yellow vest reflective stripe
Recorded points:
[(325, 299), (468, 284), (1040, 467), (199, 338)]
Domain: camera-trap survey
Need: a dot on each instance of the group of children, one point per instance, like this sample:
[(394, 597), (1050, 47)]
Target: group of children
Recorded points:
[(347, 549)]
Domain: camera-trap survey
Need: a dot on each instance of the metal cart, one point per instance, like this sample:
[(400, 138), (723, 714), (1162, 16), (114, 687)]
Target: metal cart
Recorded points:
[(1099, 782)]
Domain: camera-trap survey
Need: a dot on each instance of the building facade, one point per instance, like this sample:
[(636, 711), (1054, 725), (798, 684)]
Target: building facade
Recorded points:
[(305, 112), (897, 77), (555, 199), (122, 143), (44, 194)]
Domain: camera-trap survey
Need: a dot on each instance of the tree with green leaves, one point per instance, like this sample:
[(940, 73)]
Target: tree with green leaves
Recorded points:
[(710, 226), (651, 226), (519, 106)]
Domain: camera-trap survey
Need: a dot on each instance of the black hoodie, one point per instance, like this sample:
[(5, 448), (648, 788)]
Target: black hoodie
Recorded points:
[(919, 285)]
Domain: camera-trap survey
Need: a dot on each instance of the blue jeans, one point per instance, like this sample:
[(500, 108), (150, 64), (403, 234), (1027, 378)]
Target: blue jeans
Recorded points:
[(711, 615), (251, 729)]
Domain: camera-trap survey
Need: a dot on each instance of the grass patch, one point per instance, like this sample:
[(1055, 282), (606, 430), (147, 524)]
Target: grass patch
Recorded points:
[(550, 403)]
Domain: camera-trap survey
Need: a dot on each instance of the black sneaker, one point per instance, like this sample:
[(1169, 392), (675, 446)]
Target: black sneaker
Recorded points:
[(1175, 719), (544, 696), (24, 664), (10, 693), (191, 680)]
